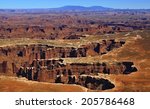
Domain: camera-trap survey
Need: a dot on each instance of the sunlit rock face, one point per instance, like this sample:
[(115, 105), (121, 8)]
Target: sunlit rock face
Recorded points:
[(45, 63)]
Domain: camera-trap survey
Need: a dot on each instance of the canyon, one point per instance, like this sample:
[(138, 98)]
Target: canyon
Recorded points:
[(45, 63), (81, 51)]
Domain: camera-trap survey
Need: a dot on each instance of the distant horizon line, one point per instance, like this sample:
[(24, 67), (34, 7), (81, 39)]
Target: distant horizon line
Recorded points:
[(73, 6)]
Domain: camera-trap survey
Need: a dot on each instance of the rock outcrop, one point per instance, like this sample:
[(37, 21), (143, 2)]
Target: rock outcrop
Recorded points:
[(3, 67), (47, 52), (56, 71), (46, 63)]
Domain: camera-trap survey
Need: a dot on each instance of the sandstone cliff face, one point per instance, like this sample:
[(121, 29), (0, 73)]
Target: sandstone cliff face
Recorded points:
[(55, 71), (37, 63), (3, 67), (46, 52), (26, 54), (95, 83)]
